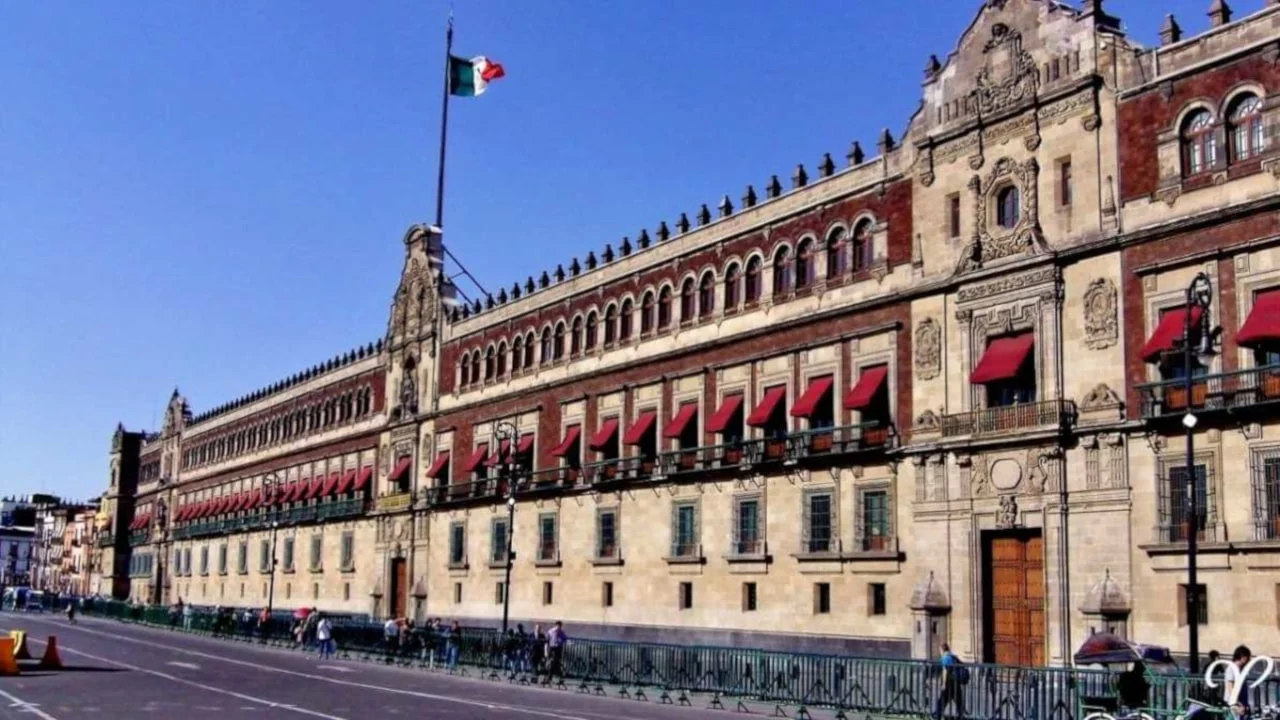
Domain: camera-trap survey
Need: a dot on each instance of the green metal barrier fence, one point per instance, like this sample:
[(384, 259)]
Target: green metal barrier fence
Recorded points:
[(670, 672)]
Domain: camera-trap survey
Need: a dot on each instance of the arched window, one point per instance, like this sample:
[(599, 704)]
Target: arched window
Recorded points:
[(464, 371), (1007, 207), (517, 353), (575, 337), (490, 364), (591, 330), (804, 264), (836, 266), (860, 246), (475, 366), (707, 295), (528, 350), (751, 282), (624, 321), (646, 313), (547, 353), (557, 348), (781, 272), (731, 277), (686, 301), (502, 359), (1247, 139), (664, 308), (1199, 146), (610, 324)]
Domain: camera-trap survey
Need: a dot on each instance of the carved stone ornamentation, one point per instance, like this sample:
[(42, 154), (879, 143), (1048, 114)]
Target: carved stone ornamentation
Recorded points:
[(1101, 397), (928, 353), (1090, 122), (1032, 142), (1010, 76), (1007, 515), (1101, 328), (990, 243), (117, 439), (928, 420), (979, 480), (1169, 195)]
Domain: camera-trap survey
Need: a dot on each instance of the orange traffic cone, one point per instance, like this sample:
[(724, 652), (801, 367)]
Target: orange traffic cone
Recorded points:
[(8, 665), (51, 661), (20, 651)]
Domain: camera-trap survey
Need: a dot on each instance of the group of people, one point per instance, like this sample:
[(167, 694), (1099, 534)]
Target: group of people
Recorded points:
[(518, 651)]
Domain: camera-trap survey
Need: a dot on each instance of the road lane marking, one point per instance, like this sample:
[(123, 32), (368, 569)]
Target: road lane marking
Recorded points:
[(182, 681), (189, 666), (25, 706), (335, 668), (321, 678)]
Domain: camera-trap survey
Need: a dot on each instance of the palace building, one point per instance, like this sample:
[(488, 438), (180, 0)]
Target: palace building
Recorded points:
[(933, 392)]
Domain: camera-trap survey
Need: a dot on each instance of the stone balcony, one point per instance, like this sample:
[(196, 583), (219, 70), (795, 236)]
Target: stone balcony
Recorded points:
[(995, 422), (1240, 392)]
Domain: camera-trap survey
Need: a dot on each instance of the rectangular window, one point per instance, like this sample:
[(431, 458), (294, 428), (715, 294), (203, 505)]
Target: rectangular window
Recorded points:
[(875, 599), (606, 594), (686, 596), (177, 561), (348, 554), (317, 546), (749, 597), (1064, 182), (747, 535), (457, 544), (499, 593), (1184, 608), (953, 215), (204, 560), (264, 556), (222, 559), (548, 596), (821, 598), (819, 533), (186, 562), (498, 542), (1180, 519), (288, 554), (1266, 493), (548, 545), (684, 530), (242, 563), (875, 520), (607, 535), (457, 593)]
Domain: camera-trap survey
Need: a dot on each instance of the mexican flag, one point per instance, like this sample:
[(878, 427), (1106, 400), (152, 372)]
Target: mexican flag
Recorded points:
[(469, 78)]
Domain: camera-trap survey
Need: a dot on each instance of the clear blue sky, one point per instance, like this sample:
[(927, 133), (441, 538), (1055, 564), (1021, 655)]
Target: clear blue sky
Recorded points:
[(212, 195)]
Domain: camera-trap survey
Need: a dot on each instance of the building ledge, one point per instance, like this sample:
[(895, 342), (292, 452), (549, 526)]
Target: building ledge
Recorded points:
[(1180, 548), (685, 560), (607, 562), (763, 558)]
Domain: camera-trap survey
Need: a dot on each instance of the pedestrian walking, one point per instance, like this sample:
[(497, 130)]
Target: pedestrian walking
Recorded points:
[(1233, 695), (453, 645), (954, 677), (556, 640)]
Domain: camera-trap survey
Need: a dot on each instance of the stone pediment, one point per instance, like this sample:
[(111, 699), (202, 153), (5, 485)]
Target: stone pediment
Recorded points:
[(1010, 51), (418, 300)]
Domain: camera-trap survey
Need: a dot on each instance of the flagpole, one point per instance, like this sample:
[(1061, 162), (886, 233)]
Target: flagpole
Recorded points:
[(444, 122)]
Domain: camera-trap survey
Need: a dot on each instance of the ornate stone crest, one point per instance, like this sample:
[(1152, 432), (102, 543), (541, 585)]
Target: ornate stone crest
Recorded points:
[(928, 420), (1100, 325), (928, 349), (1010, 75), (1007, 515), (1101, 397), (994, 243)]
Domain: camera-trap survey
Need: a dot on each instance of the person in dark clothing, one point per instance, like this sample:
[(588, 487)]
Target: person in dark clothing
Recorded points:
[(1133, 687), (952, 692)]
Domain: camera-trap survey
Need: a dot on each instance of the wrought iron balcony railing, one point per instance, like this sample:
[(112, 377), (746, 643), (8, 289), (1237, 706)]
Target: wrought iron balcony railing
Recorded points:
[(1010, 419), (1233, 391)]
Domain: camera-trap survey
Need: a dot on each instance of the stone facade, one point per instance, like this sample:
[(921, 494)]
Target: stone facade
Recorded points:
[(898, 403)]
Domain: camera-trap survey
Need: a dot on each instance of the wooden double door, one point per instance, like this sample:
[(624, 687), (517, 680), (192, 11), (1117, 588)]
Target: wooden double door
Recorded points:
[(1014, 597), (399, 587)]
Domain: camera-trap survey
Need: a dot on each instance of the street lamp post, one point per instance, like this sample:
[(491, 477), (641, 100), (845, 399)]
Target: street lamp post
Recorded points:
[(1199, 295), (505, 431), (272, 484)]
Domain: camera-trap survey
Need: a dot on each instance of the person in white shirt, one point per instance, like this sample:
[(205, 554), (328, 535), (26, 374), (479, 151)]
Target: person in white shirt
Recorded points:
[(1233, 683), (324, 637)]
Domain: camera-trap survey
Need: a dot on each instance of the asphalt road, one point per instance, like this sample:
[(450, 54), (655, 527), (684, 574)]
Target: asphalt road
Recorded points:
[(116, 670)]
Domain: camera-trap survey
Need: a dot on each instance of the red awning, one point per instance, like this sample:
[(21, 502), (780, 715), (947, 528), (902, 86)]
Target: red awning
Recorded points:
[(221, 505), (345, 483), (208, 507), (526, 444), (635, 433), (605, 434), (570, 437), (1262, 327), (300, 489), (814, 394), (760, 416), (402, 467), (441, 460), (331, 484), (477, 457), (868, 385), (317, 484), (182, 513), (256, 502), (678, 423), (728, 406), (362, 479), (500, 454), (1003, 359), (242, 501), (1169, 332)]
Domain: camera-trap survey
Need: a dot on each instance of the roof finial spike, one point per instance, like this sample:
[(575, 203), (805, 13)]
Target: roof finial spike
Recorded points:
[(855, 154), (932, 68), (1170, 32), (663, 232), (1219, 13), (749, 197), (827, 167), (625, 247), (726, 206), (643, 239), (774, 188), (886, 142), (704, 215), (683, 223), (799, 178)]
